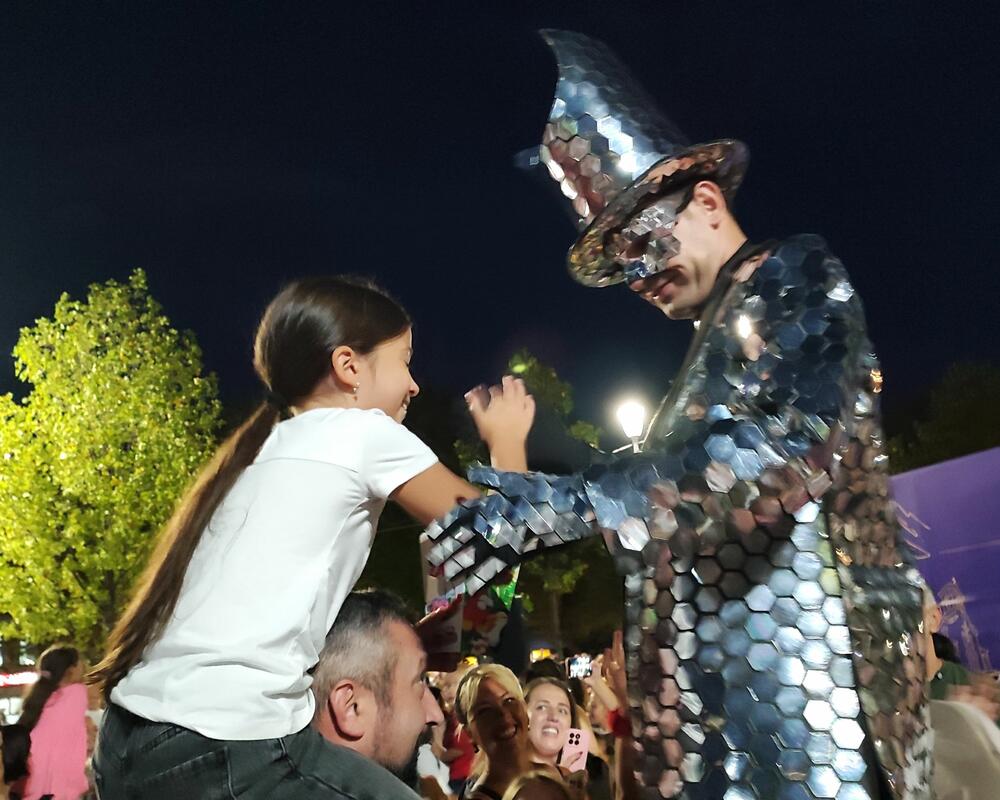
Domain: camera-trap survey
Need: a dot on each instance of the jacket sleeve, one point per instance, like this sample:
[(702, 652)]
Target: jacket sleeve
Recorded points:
[(752, 447)]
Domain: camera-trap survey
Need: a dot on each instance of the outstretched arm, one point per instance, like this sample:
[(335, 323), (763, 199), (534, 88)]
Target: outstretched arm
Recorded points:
[(503, 415), (751, 452)]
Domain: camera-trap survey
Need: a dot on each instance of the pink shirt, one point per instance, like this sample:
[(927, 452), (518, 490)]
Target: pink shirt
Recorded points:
[(59, 747)]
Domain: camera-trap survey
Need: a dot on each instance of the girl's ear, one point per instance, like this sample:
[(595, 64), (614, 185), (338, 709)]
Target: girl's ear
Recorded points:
[(346, 365)]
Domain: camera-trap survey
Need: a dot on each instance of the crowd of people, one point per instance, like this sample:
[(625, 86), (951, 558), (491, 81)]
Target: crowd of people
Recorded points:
[(477, 732), (393, 727), (543, 735)]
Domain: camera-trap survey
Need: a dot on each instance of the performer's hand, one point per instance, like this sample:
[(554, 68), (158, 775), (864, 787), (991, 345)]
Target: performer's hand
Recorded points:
[(503, 416)]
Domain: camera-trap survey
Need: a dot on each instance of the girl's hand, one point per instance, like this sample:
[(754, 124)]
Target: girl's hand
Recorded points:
[(503, 416)]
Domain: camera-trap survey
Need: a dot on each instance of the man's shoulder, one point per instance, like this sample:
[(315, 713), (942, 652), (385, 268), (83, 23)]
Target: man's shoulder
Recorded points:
[(355, 777), (804, 252), (954, 674), (800, 270)]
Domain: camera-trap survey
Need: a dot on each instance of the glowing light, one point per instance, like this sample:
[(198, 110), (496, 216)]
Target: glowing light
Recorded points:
[(632, 417), (539, 653), (627, 162)]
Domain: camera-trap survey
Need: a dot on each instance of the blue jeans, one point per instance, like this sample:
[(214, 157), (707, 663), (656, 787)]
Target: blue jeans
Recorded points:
[(137, 759)]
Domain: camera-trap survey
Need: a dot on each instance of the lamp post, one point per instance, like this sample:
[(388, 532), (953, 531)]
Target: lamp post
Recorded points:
[(632, 417)]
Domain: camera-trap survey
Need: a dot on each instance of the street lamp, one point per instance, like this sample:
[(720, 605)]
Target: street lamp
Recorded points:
[(632, 417)]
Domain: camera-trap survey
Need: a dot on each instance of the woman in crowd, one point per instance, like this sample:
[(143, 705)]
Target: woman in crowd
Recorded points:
[(551, 713), (490, 705), (207, 672), (55, 714), (459, 752), (14, 745)]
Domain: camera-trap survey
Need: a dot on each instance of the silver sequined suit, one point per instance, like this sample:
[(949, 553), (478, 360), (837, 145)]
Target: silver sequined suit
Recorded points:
[(772, 613)]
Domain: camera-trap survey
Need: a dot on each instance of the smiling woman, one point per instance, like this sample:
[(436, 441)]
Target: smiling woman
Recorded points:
[(489, 703), (551, 713)]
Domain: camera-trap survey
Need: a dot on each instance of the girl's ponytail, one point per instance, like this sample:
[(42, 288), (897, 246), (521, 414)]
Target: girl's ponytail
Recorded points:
[(160, 585)]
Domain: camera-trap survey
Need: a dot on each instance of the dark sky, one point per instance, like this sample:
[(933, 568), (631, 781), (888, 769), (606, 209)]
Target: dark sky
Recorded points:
[(226, 148)]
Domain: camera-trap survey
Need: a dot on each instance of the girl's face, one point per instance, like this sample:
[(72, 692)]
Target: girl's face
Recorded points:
[(550, 717), (498, 721), (385, 382), (74, 674)]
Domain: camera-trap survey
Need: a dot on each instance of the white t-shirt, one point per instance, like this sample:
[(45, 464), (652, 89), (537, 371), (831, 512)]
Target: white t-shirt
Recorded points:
[(428, 766), (269, 576)]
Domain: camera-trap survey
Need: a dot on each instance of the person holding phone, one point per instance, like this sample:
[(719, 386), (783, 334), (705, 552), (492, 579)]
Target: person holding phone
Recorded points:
[(551, 717)]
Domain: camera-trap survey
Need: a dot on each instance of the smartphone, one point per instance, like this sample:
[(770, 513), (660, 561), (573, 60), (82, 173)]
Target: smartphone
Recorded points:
[(579, 666), (574, 752)]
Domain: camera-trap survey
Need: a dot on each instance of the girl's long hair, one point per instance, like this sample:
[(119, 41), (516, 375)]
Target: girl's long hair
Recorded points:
[(52, 666), (299, 331)]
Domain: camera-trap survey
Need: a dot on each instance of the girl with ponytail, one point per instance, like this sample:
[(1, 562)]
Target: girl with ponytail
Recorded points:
[(54, 714), (207, 672)]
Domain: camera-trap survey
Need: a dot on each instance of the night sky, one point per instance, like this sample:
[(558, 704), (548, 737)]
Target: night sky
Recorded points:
[(227, 148)]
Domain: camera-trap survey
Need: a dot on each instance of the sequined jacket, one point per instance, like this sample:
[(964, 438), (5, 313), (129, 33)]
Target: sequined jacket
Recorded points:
[(771, 611)]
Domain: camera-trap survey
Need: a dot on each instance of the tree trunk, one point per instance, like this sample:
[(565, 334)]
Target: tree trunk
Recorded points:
[(10, 656), (555, 620)]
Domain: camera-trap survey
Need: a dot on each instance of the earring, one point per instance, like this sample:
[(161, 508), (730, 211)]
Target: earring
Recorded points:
[(356, 387)]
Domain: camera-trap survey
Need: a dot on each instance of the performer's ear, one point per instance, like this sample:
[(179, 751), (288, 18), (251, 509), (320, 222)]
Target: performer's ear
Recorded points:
[(708, 197)]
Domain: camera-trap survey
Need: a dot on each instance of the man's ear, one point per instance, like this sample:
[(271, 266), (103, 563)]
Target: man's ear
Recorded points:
[(352, 710), (346, 365), (709, 197)]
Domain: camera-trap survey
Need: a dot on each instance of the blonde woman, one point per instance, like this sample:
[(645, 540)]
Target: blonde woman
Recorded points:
[(490, 704)]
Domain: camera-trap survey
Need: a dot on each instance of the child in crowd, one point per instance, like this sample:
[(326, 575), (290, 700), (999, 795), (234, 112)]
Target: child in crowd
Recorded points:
[(55, 715), (207, 672)]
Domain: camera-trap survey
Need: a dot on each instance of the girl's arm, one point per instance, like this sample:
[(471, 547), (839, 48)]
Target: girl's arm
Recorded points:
[(433, 493), (503, 417)]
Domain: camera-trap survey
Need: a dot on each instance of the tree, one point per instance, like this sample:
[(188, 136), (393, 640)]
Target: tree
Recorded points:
[(960, 419), (117, 422)]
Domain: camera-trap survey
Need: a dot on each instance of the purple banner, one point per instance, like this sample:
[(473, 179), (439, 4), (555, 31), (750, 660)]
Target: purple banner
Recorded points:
[(951, 511)]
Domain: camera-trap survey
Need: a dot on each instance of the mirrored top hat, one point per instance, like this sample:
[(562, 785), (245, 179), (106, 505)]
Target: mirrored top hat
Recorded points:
[(612, 151)]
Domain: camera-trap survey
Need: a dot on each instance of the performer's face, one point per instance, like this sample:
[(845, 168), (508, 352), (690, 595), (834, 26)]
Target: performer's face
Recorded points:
[(688, 273)]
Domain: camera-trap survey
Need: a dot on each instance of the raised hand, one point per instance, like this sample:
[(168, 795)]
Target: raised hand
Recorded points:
[(503, 416)]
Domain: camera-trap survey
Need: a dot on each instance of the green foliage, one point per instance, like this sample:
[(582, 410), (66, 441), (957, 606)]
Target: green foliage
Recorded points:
[(586, 432), (543, 382), (118, 421), (959, 419)]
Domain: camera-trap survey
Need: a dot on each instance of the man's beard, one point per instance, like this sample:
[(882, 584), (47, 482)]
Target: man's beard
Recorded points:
[(404, 768)]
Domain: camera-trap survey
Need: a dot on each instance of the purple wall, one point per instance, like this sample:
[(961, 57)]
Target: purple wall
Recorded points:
[(951, 511)]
